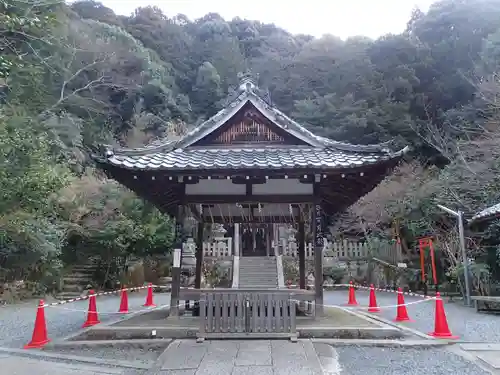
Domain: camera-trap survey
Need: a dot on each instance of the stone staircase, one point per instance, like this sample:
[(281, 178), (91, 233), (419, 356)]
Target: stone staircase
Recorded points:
[(77, 279), (258, 272)]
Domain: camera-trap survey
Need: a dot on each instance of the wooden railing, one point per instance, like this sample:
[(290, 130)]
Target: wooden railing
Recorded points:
[(221, 247), (342, 250), (291, 249), (229, 313), (347, 250)]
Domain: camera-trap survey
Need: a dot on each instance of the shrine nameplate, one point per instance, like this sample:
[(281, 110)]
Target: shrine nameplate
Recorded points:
[(318, 226)]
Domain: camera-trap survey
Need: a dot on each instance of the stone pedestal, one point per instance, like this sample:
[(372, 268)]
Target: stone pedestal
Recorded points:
[(188, 259)]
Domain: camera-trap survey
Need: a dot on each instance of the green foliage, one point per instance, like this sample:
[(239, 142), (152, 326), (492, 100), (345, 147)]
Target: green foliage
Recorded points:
[(75, 75), (31, 236)]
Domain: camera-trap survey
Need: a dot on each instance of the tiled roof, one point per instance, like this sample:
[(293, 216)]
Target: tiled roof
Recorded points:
[(251, 94), (184, 154), (240, 158), (487, 213)]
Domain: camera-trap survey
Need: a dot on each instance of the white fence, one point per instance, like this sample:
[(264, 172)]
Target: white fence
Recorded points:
[(347, 250), (344, 250), (222, 247), (291, 249)]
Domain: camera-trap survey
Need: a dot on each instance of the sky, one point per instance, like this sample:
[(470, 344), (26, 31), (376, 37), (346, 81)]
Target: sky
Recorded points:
[(342, 18)]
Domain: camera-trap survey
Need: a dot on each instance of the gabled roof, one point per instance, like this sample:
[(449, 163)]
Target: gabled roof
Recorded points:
[(181, 154), (486, 214)]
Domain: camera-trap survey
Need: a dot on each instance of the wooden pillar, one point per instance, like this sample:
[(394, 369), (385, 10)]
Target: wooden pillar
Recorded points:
[(236, 240), (199, 254), (199, 263), (302, 255), (318, 229), (269, 229), (176, 266)]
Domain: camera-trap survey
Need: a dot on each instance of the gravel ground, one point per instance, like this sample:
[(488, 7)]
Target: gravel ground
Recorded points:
[(141, 355), (463, 322), (392, 361), (16, 321)]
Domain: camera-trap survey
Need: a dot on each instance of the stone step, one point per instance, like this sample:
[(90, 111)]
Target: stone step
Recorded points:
[(84, 268), (255, 274), (258, 264), (258, 272), (77, 278), (257, 259), (257, 277), (258, 269), (259, 286), (81, 273), (72, 288), (70, 295)]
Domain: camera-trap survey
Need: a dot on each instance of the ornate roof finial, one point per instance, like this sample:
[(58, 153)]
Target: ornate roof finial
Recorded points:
[(247, 82)]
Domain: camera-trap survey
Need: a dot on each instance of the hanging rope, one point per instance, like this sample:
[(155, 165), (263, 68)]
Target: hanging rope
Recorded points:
[(291, 214), (230, 218), (211, 215), (221, 214), (281, 213), (240, 206)]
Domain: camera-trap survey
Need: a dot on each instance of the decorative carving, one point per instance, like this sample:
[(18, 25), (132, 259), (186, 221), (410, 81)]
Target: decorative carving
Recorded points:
[(247, 82), (248, 131)]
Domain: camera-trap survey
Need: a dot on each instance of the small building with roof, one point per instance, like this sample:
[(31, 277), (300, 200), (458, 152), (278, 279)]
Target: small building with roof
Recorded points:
[(251, 166)]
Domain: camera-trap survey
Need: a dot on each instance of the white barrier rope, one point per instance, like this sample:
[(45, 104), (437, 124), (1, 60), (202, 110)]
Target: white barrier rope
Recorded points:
[(363, 307), (358, 307), (345, 306), (359, 286), (356, 286), (114, 312), (83, 298)]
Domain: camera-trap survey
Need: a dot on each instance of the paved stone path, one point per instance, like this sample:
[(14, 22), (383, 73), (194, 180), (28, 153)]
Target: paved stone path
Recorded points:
[(264, 357), (26, 366), (257, 357)]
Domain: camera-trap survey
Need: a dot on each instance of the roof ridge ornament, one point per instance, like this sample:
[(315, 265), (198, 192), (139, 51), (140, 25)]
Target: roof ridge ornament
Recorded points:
[(247, 81)]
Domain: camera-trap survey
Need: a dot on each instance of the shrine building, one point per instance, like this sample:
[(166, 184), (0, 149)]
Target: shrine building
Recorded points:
[(250, 165)]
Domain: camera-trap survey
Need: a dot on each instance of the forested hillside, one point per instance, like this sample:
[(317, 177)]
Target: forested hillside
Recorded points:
[(72, 77)]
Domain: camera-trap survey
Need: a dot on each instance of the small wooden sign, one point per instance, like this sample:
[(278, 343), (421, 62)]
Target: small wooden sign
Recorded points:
[(177, 258), (318, 232)]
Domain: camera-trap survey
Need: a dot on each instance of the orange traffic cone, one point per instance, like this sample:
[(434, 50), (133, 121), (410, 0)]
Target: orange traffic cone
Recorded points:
[(402, 312), (372, 306), (441, 329), (39, 337), (124, 302), (352, 295), (149, 297), (92, 318)]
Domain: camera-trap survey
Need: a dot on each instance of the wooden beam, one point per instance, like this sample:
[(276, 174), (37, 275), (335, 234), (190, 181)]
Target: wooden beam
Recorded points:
[(255, 220), (270, 198)]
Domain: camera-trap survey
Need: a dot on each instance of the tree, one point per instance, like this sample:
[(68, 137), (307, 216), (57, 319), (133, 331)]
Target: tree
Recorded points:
[(207, 89)]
